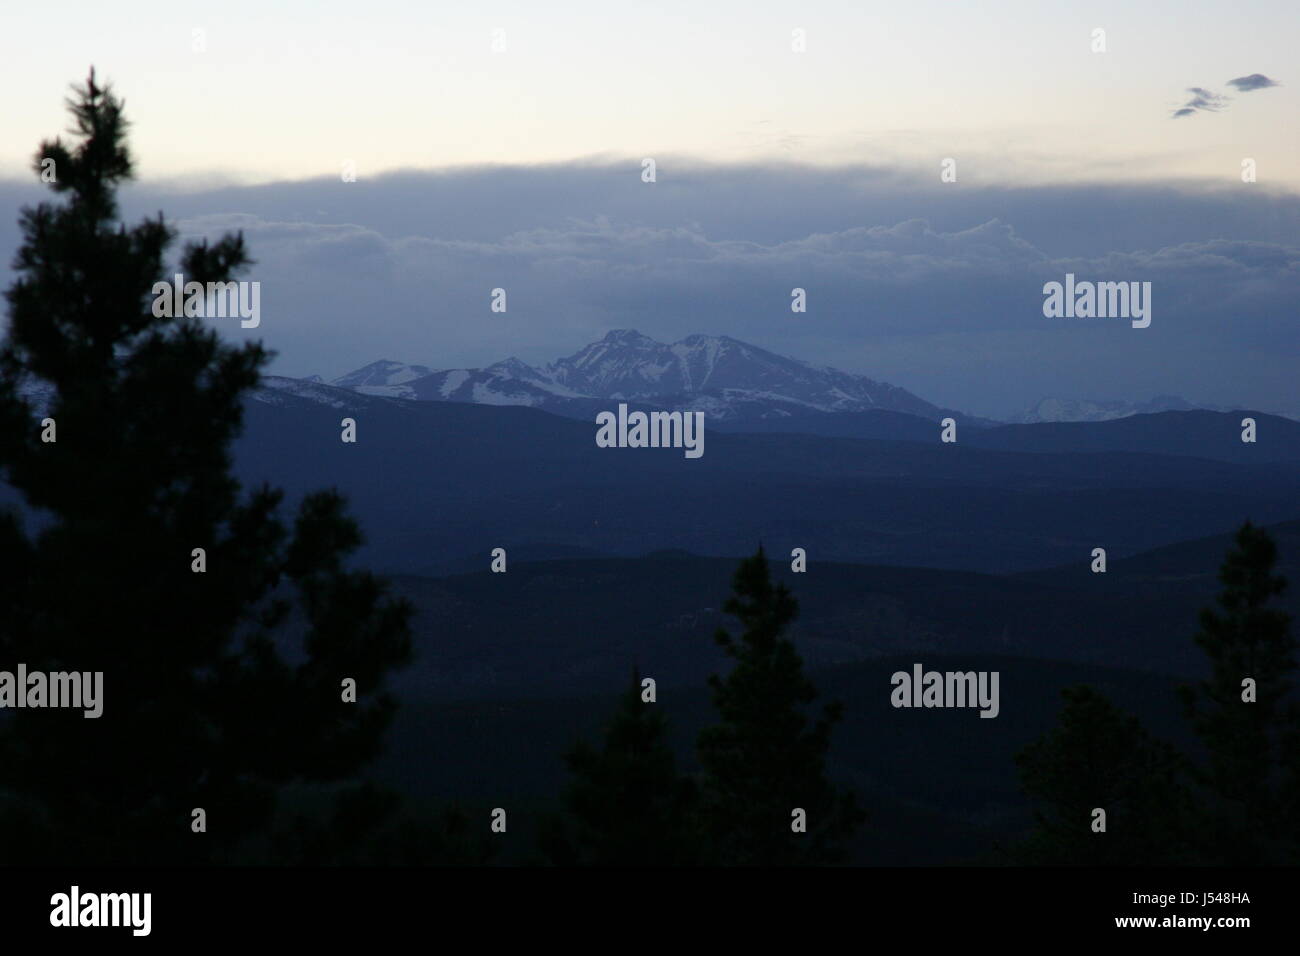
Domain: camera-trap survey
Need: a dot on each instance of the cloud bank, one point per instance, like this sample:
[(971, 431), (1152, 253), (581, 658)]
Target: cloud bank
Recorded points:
[(936, 289)]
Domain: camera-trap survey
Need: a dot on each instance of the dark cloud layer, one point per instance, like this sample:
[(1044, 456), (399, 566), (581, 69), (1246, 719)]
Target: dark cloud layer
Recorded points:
[(933, 287)]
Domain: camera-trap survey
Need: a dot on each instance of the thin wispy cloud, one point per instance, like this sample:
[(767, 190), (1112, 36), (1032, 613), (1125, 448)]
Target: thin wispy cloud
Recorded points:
[(1202, 100), (1208, 101)]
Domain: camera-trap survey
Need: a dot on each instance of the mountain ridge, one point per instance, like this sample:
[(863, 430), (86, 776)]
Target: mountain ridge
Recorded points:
[(729, 380), (734, 382)]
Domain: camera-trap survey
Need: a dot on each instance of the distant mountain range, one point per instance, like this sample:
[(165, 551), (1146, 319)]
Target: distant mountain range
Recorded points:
[(743, 388), (432, 482), (739, 386), (729, 380)]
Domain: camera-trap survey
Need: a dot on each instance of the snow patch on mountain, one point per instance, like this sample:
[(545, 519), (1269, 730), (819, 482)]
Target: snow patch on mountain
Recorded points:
[(454, 380), (382, 373), (278, 390)]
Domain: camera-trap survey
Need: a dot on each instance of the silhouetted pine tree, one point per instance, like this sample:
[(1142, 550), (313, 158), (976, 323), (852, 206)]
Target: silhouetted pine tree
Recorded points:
[(207, 701), (1099, 757), (626, 803), (763, 760), (1252, 767)]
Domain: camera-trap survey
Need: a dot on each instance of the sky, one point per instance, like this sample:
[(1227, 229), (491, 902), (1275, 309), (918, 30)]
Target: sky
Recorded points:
[(521, 167), (292, 89)]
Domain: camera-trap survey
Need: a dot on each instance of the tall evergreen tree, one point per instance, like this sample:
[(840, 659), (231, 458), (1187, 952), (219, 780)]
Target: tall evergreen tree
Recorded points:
[(207, 701), (1099, 758), (763, 760), (1251, 745), (1246, 807), (626, 803)]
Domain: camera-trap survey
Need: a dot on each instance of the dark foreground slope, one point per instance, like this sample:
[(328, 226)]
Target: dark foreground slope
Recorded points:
[(513, 668), (577, 626), (436, 482)]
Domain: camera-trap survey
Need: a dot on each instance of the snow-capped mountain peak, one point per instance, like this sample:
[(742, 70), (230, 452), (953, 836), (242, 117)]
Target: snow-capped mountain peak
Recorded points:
[(514, 368), (726, 377), (628, 337)]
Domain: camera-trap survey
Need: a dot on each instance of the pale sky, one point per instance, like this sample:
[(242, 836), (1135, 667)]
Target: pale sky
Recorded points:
[(1011, 90)]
